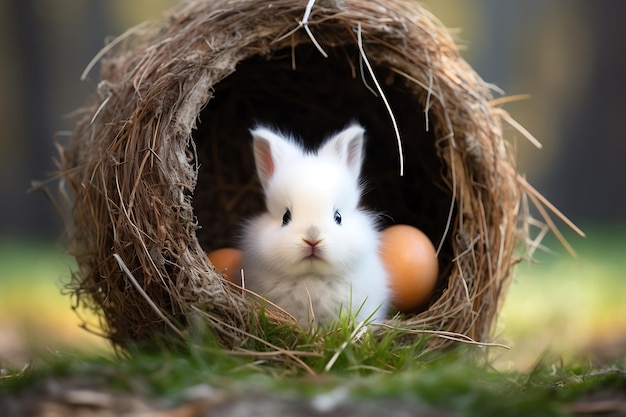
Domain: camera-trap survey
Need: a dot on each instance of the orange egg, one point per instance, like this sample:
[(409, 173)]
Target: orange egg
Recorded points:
[(410, 259), (228, 262)]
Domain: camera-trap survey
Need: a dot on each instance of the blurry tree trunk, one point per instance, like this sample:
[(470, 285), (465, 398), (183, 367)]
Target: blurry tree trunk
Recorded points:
[(587, 176), (49, 54)]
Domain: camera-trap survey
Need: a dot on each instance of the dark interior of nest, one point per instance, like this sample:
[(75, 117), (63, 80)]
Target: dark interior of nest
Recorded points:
[(302, 93)]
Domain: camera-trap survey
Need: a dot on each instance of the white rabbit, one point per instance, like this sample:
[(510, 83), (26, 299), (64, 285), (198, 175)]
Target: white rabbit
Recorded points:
[(314, 253)]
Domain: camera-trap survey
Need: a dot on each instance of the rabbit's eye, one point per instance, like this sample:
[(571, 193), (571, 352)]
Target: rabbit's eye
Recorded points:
[(286, 217), (337, 217)]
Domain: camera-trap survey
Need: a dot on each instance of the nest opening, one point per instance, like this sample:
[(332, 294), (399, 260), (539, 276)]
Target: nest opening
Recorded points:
[(305, 94)]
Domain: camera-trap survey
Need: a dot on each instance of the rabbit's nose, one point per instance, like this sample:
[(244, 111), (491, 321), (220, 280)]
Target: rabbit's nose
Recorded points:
[(312, 238)]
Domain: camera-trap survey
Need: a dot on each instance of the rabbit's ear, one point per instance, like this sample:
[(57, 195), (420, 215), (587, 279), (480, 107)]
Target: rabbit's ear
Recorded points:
[(270, 150), (347, 146)]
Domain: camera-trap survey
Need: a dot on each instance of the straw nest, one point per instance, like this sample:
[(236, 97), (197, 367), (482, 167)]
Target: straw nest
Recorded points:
[(160, 167)]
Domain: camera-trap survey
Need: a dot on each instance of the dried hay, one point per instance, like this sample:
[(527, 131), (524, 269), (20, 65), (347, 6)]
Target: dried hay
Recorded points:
[(160, 167)]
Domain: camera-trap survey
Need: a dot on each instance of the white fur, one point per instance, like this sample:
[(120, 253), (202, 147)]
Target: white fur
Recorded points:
[(348, 274)]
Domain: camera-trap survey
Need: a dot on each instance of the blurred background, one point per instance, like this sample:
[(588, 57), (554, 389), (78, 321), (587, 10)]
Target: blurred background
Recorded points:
[(569, 56)]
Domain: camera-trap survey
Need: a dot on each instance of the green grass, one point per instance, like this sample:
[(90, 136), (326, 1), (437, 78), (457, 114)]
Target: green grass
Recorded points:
[(557, 315), (568, 306), (35, 313), (457, 381)]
